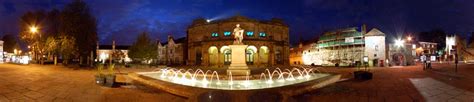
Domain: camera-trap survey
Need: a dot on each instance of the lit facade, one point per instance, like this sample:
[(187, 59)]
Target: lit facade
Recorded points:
[(119, 55), (340, 47), (208, 42), (426, 48), (347, 47), (296, 53), (375, 47)]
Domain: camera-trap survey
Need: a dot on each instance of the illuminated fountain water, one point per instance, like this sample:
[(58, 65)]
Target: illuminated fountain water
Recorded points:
[(211, 79)]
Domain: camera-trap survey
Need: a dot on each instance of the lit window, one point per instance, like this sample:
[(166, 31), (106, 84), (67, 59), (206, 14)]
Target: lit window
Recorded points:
[(215, 34), (262, 34), (226, 33), (249, 33)]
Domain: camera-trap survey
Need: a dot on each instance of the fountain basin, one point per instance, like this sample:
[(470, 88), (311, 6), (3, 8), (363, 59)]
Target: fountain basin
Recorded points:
[(238, 90)]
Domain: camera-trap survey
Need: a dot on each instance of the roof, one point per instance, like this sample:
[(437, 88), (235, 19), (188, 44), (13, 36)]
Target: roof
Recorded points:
[(177, 41), (375, 32), (117, 47)]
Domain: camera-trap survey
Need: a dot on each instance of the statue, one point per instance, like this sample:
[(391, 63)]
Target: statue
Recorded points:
[(238, 34)]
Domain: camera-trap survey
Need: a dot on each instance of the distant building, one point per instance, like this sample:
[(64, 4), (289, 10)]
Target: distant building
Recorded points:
[(172, 52), (105, 52), (402, 55), (296, 53), (426, 48), (347, 47), (208, 42)]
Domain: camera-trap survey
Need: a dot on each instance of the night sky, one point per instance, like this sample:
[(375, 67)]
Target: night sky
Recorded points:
[(123, 20)]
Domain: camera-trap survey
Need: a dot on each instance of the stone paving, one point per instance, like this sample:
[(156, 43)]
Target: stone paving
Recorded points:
[(433, 90), (57, 84), (395, 84), (399, 84)]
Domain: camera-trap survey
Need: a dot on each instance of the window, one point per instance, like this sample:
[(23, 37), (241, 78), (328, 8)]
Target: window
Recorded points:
[(249, 33), (214, 34), (262, 34), (227, 57), (226, 33)]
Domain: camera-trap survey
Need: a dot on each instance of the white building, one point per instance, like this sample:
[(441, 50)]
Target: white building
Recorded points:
[(375, 47)]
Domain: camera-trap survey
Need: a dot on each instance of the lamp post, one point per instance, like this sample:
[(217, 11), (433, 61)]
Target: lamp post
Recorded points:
[(35, 30)]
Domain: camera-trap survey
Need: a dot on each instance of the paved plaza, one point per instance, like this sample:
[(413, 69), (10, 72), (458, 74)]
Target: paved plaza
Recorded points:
[(395, 84), (29, 83)]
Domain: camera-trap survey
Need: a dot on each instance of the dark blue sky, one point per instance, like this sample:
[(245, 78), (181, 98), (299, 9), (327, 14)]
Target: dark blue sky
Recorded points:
[(124, 19)]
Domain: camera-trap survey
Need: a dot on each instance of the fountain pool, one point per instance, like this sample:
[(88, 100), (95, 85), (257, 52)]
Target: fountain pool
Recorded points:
[(211, 80), (192, 83)]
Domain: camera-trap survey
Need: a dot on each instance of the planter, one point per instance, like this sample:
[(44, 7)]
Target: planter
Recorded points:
[(100, 79), (110, 80), (362, 75)]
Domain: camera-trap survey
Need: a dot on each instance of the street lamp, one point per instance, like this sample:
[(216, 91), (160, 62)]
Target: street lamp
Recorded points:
[(409, 38), (399, 42), (33, 29)]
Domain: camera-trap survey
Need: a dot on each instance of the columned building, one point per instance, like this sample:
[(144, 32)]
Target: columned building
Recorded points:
[(208, 42)]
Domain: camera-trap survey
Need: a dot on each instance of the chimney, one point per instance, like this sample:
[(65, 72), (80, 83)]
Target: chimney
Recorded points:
[(364, 29)]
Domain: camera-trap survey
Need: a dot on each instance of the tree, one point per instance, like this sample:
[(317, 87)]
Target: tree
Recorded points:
[(66, 45), (51, 45), (9, 43), (143, 49), (76, 21)]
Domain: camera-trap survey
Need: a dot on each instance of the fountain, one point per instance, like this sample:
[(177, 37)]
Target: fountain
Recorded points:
[(239, 83)]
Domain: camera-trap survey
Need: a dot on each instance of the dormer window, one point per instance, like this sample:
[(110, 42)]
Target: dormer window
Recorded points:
[(226, 33), (250, 33), (262, 34), (215, 34)]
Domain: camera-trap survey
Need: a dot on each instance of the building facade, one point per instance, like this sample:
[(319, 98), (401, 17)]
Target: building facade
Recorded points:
[(347, 47), (296, 53), (119, 53), (172, 52), (268, 42), (426, 48), (402, 55)]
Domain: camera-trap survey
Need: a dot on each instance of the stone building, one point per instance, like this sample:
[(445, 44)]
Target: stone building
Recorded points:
[(347, 47), (402, 55), (375, 47), (172, 52), (208, 41)]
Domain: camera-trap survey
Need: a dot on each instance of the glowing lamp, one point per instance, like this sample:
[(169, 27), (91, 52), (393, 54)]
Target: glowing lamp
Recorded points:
[(399, 43)]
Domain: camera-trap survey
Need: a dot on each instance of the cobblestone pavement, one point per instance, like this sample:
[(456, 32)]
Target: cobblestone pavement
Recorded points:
[(29, 83), (394, 84)]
